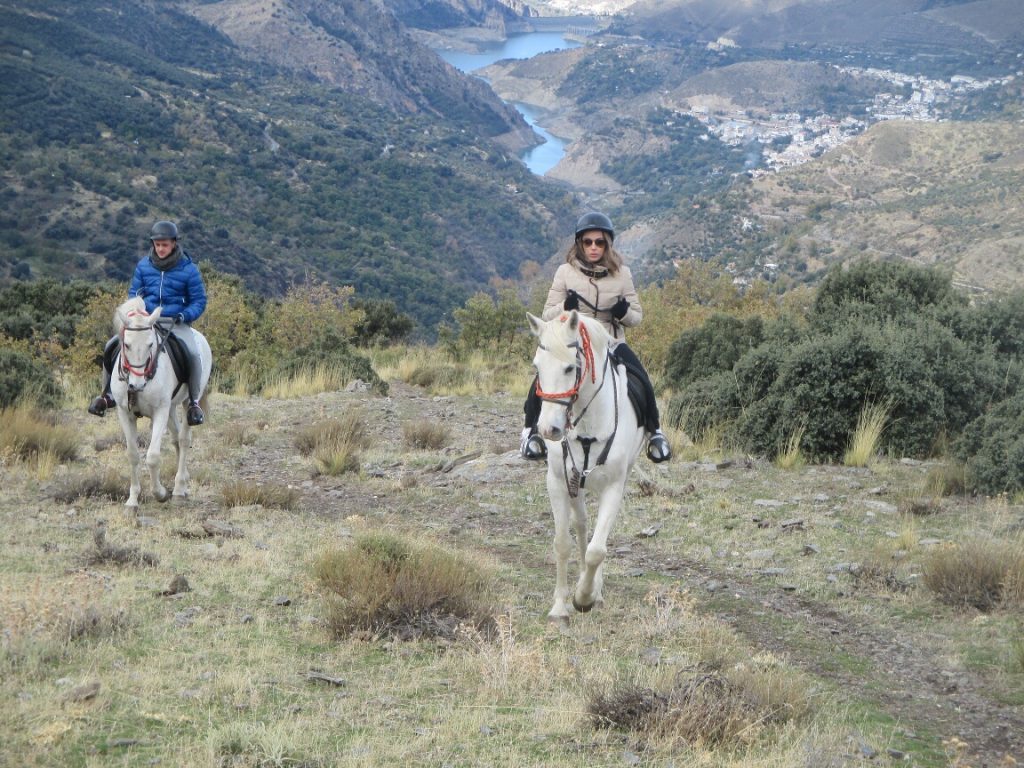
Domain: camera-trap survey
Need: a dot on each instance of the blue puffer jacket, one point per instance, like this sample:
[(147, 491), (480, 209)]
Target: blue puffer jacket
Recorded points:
[(179, 290)]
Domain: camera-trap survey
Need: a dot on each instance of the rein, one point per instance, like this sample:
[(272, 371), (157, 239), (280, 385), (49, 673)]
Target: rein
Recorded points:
[(149, 370)]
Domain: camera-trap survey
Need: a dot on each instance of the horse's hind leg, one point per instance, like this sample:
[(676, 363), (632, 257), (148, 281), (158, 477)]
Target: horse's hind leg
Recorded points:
[(129, 425), (180, 435)]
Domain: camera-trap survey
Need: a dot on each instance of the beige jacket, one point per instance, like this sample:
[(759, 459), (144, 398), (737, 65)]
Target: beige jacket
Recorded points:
[(601, 291)]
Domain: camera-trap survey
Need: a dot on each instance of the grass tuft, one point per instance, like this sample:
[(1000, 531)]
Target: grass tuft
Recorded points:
[(26, 435), (426, 434), (335, 445), (308, 381), (980, 572), (243, 493), (791, 457), (945, 480), (867, 436), (386, 585), (238, 434), (106, 485)]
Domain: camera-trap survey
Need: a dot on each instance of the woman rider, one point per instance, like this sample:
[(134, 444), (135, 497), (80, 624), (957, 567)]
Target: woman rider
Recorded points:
[(594, 281)]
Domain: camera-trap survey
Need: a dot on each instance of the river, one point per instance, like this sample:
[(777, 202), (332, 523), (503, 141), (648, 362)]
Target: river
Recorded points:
[(544, 157)]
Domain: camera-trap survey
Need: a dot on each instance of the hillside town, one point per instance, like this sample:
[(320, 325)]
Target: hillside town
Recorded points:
[(791, 138)]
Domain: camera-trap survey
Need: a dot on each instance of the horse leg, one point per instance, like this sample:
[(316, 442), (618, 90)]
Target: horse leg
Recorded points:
[(180, 435), (591, 582), (560, 612), (130, 427), (159, 420)]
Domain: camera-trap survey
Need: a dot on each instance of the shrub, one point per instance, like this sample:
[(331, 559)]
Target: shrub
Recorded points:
[(328, 348), (980, 573), (715, 346), (992, 449), (426, 434), (24, 434), (240, 493), (23, 378), (385, 584)]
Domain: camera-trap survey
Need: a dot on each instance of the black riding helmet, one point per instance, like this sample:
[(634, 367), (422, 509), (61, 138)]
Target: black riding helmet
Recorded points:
[(595, 220), (164, 230)]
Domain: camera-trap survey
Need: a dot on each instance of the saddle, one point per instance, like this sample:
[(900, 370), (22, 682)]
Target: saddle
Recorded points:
[(635, 388)]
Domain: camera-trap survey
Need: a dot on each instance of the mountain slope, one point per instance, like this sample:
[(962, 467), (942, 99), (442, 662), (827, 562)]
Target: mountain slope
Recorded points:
[(386, 175)]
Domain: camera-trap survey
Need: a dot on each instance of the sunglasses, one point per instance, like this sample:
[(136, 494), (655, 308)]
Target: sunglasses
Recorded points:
[(600, 243)]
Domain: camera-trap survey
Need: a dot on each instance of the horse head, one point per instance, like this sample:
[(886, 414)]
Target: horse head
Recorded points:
[(571, 351), (140, 344)]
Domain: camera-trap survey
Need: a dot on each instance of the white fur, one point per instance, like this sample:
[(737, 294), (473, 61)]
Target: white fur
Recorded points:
[(153, 399), (555, 361)]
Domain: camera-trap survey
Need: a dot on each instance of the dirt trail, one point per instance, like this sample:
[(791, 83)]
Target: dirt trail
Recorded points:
[(906, 675)]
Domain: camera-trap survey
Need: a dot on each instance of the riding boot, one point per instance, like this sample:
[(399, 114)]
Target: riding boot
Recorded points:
[(531, 445), (100, 404), (658, 449), (194, 416)]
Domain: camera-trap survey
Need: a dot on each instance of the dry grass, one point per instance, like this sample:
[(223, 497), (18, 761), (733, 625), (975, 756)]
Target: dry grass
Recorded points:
[(323, 377), (335, 445), (979, 572), (440, 374), (867, 435), (384, 584), (25, 434), (104, 484), (791, 457), (240, 433), (945, 480), (241, 493), (426, 434)]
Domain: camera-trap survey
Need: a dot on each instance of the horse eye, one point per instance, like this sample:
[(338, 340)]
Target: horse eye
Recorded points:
[(570, 368)]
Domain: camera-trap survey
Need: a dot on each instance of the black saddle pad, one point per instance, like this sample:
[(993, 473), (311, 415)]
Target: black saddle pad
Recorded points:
[(179, 357), (635, 388)]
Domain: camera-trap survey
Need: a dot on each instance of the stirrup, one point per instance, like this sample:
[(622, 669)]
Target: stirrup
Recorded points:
[(533, 447), (195, 415), (658, 449), (100, 404)]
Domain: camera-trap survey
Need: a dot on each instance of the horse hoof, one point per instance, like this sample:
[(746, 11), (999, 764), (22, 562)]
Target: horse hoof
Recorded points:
[(129, 507), (583, 608), (179, 499), (562, 622), (163, 499)]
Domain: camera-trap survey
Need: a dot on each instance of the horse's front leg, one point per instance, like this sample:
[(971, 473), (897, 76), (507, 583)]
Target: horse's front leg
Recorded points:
[(130, 427), (591, 582), (180, 436), (560, 510), (159, 419)]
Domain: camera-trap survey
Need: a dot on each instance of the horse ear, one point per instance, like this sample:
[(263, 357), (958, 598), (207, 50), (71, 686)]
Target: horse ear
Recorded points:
[(536, 324), (155, 315)]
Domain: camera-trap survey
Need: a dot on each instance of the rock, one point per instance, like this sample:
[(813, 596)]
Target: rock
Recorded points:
[(649, 532), (282, 600), (811, 549), (929, 542), (651, 656), (770, 503), (221, 528), (761, 555), (186, 617), (792, 524), (881, 506), (179, 585), (714, 586), (896, 754), (83, 692), (144, 521), (773, 571)]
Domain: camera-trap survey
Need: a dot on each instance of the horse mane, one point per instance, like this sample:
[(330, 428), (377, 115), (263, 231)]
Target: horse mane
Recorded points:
[(560, 333), (134, 305)]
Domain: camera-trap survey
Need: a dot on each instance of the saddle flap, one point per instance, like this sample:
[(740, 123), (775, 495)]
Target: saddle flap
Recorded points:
[(179, 357), (635, 388)]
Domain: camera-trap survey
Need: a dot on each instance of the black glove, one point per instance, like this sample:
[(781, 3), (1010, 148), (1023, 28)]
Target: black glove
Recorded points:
[(572, 301), (179, 319), (620, 308)]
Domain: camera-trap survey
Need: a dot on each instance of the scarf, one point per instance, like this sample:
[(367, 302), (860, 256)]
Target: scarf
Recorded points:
[(169, 263)]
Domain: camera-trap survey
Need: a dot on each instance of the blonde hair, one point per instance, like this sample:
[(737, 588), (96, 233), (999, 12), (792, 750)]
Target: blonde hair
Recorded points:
[(611, 260)]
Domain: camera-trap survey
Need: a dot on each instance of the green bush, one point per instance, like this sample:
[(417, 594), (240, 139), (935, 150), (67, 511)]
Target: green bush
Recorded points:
[(329, 347), (22, 377), (992, 448), (715, 346)]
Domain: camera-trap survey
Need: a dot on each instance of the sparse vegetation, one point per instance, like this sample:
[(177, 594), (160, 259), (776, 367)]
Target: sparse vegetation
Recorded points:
[(238, 493), (979, 572), (386, 585), (25, 433), (426, 434), (867, 435)]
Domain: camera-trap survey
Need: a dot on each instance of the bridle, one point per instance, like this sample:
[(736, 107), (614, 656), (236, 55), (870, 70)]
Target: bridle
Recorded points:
[(584, 364), (147, 370)]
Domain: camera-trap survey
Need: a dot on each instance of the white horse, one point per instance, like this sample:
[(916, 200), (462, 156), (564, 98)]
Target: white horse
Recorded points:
[(144, 383), (593, 440)]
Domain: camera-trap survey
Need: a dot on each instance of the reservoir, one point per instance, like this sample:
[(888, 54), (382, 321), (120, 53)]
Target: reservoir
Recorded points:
[(542, 158)]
